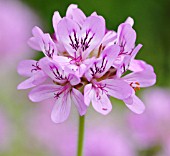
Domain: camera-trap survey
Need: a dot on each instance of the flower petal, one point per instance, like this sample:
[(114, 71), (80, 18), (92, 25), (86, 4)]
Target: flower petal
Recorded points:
[(45, 42), (62, 107), (47, 45), (101, 103), (117, 88), (43, 92), (145, 78), (28, 83), (67, 31), (70, 9), (109, 37), (37, 32), (139, 65), (88, 94), (32, 42), (135, 51), (111, 53), (103, 64), (53, 70), (126, 37), (130, 21), (137, 106), (136, 65), (73, 79), (56, 19), (78, 100), (37, 79), (62, 60), (78, 16), (27, 68), (92, 33)]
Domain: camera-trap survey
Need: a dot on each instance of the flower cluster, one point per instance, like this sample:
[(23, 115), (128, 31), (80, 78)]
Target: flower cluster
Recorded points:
[(85, 63)]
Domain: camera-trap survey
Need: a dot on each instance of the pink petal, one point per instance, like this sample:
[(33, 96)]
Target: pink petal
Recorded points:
[(88, 94), (37, 79), (62, 60), (53, 70), (48, 46), (117, 88), (37, 32), (130, 21), (78, 100), (73, 79), (26, 84), (70, 10), (110, 36), (135, 51), (61, 109), (94, 29), (103, 64), (45, 42), (43, 92), (76, 70), (145, 78), (139, 65), (126, 37), (96, 15), (137, 106), (111, 53), (32, 42), (102, 104), (25, 67), (136, 65), (78, 16), (56, 19), (67, 31)]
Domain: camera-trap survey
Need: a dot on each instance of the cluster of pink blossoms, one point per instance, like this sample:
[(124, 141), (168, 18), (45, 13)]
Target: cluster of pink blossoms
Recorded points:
[(84, 62)]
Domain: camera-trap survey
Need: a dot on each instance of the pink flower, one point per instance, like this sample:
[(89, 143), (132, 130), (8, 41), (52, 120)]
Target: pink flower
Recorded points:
[(98, 92), (83, 55), (107, 141), (152, 127), (15, 31), (5, 131), (63, 91)]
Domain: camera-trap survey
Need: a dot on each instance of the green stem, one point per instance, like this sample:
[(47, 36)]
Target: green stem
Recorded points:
[(80, 136)]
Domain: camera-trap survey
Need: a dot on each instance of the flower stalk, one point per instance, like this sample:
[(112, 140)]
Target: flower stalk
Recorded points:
[(80, 141)]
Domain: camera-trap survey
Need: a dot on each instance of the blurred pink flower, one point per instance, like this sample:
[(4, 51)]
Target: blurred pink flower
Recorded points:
[(152, 128), (5, 133), (102, 141), (61, 139), (16, 23)]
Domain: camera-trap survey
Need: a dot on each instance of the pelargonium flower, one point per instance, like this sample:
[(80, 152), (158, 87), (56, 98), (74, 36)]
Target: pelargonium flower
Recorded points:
[(84, 62), (62, 89)]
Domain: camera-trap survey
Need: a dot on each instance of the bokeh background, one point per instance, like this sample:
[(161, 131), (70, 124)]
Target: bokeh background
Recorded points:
[(26, 128)]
